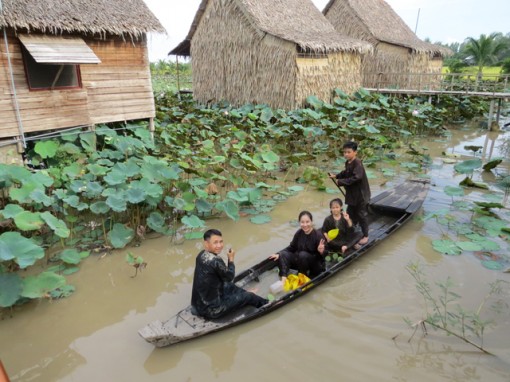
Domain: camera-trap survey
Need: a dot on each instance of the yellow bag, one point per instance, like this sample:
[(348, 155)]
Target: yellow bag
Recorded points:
[(333, 233), (295, 281)]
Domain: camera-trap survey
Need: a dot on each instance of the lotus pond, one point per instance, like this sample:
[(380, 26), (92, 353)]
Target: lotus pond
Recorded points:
[(106, 202)]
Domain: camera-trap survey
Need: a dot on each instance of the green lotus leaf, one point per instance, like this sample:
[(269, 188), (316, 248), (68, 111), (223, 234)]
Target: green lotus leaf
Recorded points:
[(73, 170), (11, 286), (39, 196), (270, 157), (468, 166), (66, 290), (46, 149), (156, 222), (115, 177), (261, 219), (99, 208), (469, 246), (93, 189), (22, 194), (454, 191), (42, 284), (78, 186), (88, 141), (74, 202), (70, 256), (295, 189), (135, 194), (15, 173), (28, 221), (117, 203), (492, 225), (57, 225), (42, 179), (266, 115), (23, 251), (70, 271), (70, 148), (488, 205), (97, 170), (492, 265), (192, 222), (446, 247), (196, 235), (492, 164), (120, 235), (203, 206), (11, 210), (130, 168), (230, 208)]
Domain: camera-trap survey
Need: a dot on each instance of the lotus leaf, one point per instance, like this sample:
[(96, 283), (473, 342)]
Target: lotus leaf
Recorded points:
[(57, 225), (266, 115), (120, 235), (156, 222), (11, 210), (135, 194), (74, 202), (42, 284), (492, 164), (468, 166), (22, 194), (462, 205), (454, 191), (16, 174), (129, 168), (66, 290), (88, 141), (11, 286), (93, 189), (38, 196), (46, 149), (117, 203), (67, 272), (193, 222), (488, 205), (230, 208), (261, 219), (97, 169), (446, 247), (42, 178), (72, 171), (468, 182), (70, 256), (115, 177), (70, 148), (28, 221), (23, 251), (492, 265), (203, 206), (469, 246), (193, 235), (99, 208), (492, 225), (270, 157)]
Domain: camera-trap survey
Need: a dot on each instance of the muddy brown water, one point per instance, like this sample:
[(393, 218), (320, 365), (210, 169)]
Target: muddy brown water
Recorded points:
[(351, 328)]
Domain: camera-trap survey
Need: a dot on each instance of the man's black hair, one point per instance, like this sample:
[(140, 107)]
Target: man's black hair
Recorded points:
[(351, 145), (211, 232)]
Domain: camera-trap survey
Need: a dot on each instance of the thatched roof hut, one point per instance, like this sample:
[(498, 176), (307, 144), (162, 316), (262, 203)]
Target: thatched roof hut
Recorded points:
[(268, 51), (396, 48), (98, 17), (68, 63)]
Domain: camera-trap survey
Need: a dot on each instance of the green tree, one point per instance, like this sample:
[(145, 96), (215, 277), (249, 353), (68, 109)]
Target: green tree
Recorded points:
[(485, 49)]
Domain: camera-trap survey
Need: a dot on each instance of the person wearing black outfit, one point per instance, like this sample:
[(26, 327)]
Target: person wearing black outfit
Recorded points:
[(214, 294), (306, 251), (357, 190), (341, 221)]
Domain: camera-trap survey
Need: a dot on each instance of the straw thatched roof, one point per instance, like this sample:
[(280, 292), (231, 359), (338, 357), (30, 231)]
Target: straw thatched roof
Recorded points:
[(376, 21), (297, 21), (117, 17)]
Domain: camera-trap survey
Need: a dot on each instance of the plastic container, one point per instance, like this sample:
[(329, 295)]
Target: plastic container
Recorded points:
[(276, 287)]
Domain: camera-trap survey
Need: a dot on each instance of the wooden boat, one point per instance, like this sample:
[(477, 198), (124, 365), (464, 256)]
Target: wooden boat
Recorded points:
[(388, 212)]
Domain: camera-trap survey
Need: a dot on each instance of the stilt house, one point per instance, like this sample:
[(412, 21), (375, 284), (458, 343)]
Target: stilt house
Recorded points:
[(68, 63), (275, 52), (399, 55)]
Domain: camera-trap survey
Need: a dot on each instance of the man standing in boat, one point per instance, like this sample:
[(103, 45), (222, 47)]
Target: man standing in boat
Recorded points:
[(357, 189), (214, 294)]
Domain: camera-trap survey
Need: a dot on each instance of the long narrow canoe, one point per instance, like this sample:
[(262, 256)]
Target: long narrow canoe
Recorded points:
[(388, 212)]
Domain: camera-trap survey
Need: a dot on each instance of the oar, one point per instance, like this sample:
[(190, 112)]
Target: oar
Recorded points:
[(336, 184)]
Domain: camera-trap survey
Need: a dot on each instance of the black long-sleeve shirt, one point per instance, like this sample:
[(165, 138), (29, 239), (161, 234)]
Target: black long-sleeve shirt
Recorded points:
[(303, 242), (210, 275), (355, 181), (345, 232)]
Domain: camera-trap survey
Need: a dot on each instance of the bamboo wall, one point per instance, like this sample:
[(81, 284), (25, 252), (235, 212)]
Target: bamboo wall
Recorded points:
[(118, 89), (320, 76), (234, 62)]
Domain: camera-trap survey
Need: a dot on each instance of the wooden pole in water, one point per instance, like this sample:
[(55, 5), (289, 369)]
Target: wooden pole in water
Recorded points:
[(491, 115), (498, 114)]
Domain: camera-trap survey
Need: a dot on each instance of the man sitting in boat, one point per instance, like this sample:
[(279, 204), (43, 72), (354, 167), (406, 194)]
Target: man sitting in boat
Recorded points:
[(306, 251), (214, 294)]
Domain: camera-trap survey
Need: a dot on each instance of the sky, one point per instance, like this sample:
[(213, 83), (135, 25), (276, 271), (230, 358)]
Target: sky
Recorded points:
[(440, 20)]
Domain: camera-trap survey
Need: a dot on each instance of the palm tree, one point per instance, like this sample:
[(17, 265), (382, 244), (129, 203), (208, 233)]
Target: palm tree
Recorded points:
[(485, 49)]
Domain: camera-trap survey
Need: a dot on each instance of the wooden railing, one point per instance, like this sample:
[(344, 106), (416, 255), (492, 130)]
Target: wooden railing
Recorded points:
[(439, 83)]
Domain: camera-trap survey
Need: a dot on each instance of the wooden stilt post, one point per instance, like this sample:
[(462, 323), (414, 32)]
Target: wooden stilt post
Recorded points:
[(491, 115), (151, 128), (498, 114)]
